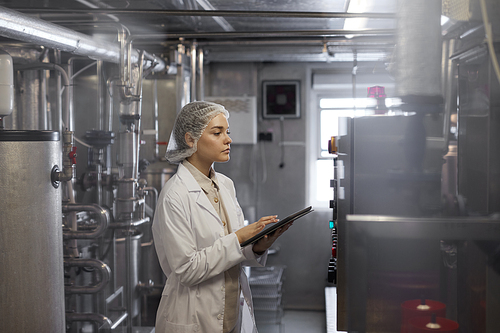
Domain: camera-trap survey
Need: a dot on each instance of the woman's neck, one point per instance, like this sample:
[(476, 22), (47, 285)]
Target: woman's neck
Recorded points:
[(202, 167)]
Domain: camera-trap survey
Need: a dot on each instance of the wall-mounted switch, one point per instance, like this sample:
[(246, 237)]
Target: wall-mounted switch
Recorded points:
[(265, 136)]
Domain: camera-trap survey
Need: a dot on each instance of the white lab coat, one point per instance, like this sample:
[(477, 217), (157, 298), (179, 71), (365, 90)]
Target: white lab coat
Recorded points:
[(194, 252)]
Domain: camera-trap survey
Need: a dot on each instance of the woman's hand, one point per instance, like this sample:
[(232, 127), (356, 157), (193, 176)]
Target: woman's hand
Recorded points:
[(253, 229), (265, 242)]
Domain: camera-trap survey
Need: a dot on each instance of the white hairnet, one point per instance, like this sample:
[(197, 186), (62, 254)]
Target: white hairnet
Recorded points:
[(193, 119)]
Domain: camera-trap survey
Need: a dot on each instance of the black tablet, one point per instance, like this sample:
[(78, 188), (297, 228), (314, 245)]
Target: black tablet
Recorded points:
[(271, 228)]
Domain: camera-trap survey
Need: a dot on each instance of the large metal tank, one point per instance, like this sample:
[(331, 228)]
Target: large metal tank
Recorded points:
[(121, 270), (31, 249)]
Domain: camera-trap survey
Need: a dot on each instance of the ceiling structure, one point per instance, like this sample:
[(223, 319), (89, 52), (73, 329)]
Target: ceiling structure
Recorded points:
[(236, 30)]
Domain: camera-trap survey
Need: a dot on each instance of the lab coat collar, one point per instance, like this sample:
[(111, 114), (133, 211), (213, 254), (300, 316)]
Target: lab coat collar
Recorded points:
[(194, 189)]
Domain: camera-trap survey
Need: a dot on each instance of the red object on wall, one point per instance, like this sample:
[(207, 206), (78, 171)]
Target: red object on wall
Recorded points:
[(419, 325), (415, 308)]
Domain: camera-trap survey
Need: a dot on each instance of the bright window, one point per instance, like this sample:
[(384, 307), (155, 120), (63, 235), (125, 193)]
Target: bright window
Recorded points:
[(330, 110)]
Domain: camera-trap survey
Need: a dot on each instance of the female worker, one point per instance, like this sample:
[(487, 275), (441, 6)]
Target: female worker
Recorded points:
[(197, 229)]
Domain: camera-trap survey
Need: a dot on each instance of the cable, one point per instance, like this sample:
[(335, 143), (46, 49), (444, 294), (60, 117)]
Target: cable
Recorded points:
[(282, 142), (489, 39)]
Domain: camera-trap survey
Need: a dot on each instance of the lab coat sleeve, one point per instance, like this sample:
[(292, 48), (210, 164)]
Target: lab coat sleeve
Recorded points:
[(252, 259), (190, 264)]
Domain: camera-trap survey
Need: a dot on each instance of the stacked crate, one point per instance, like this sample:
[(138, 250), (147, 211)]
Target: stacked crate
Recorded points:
[(266, 284)]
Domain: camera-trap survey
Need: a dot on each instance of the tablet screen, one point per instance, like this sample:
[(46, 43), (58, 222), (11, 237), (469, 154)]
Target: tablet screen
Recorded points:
[(270, 229)]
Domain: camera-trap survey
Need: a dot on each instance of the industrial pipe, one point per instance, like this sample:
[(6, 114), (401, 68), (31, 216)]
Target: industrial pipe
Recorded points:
[(50, 66), (101, 320), (29, 29), (212, 13), (102, 221), (100, 266)]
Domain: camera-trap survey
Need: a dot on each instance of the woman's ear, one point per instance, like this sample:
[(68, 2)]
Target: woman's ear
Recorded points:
[(189, 139)]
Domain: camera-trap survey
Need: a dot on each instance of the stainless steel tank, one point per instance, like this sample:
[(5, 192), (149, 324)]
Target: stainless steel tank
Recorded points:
[(31, 249), (121, 270)]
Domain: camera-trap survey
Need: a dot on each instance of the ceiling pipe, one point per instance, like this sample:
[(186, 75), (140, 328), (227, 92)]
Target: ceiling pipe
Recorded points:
[(211, 13), (29, 29), (268, 34)]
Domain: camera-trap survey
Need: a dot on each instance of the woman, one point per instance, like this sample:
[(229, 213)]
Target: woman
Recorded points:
[(198, 228)]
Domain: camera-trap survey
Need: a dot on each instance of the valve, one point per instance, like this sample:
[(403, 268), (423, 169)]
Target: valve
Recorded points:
[(72, 155), (69, 160)]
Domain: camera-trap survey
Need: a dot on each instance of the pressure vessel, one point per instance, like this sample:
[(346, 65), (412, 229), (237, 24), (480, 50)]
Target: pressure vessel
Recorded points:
[(31, 244)]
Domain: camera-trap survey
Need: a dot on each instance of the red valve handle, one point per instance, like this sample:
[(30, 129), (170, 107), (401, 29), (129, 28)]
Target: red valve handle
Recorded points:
[(72, 155)]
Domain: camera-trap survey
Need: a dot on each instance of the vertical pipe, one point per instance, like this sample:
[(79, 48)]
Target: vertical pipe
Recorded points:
[(155, 101), (29, 103), (193, 70), (201, 77), (418, 48), (43, 124), (450, 105), (179, 80), (65, 120), (100, 102), (128, 279)]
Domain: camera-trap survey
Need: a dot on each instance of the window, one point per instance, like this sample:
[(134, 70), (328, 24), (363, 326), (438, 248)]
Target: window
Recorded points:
[(329, 111)]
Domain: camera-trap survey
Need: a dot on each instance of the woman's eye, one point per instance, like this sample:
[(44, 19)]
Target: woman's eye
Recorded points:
[(218, 133), (228, 132)]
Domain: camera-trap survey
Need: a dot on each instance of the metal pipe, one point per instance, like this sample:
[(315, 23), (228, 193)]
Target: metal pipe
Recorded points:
[(450, 105), (50, 66), (419, 49), (260, 34), (200, 91), (129, 223), (43, 123), (155, 192), (100, 98), (100, 266), (193, 70), (155, 117), (211, 13), (18, 26), (105, 325), (102, 221), (128, 280)]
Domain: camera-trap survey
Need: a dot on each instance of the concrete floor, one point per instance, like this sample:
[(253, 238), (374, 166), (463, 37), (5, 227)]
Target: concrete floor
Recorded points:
[(297, 322)]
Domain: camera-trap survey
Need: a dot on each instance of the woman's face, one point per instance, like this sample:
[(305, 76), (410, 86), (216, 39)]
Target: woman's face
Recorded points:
[(214, 143)]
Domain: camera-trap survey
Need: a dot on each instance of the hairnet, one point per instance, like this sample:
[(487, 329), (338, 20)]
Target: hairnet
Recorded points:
[(193, 119)]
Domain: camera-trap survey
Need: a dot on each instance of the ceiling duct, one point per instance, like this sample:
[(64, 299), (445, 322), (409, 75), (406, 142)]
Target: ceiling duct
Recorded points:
[(418, 51), (17, 26)]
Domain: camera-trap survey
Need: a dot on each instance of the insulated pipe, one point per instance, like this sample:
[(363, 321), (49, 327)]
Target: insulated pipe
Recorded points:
[(211, 13), (102, 217), (49, 66), (418, 50), (100, 266), (30, 29)]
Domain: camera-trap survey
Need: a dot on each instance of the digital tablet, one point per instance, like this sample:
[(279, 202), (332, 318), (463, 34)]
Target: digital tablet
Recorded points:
[(272, 227)]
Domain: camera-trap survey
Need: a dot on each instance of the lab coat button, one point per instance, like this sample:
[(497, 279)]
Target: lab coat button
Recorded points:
[(216, 200), (219, 316)]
